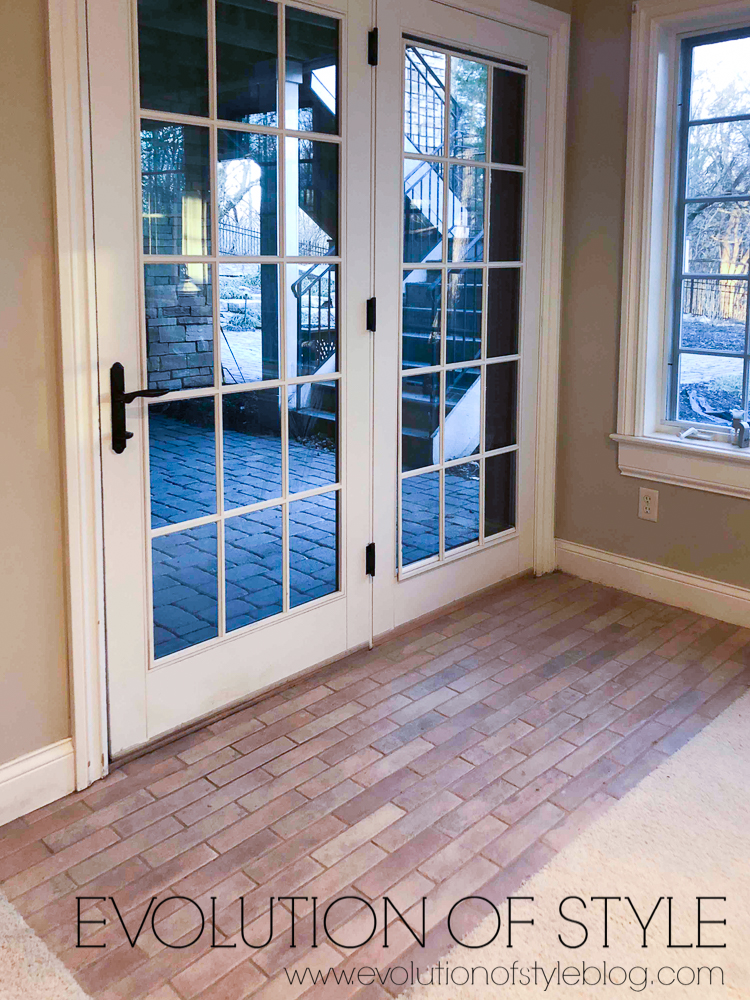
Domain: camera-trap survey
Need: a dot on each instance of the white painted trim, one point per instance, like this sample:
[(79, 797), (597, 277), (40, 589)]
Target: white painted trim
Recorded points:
[(36, 779), (551, 302), (646, 287), (658, 583), (75, 268), (526, 14), (715, 468)]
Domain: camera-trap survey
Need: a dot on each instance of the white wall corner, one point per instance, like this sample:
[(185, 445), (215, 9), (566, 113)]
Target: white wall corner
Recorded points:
[(36, 779), (702, 595)]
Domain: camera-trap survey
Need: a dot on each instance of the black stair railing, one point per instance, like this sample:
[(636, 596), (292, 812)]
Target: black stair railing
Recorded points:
[(425, 106), (315, 292), (464, 320)]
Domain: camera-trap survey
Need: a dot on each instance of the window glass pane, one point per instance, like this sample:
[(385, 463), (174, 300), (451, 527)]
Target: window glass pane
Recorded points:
[(508, 95), (463, 399), (313, 548), (246, 177), (184, 570), (175, 189), (420, 338), (713, 315), (709, 388), (506, 212), (254, 560), (720, 82), (461, 504), (313, 418), (503, 304), (252, 447), (246, 61), (468, 216), (717, 237), (312, 198), (312, 51), (420, 419), (499, 493), (500, 412), (463, 334), (424, 101), (420, 517), (468, 109), (249, 319), (179, 325), (718, 159), (312, 326), (182, 460), (173, 55), (423, 210), (466, 213)]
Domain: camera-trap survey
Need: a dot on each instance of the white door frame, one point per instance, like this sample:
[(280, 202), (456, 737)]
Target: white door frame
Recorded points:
[(77, 311)]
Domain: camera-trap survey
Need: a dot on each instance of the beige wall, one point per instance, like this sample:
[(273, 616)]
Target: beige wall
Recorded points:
[(697, 532), (33, 670)]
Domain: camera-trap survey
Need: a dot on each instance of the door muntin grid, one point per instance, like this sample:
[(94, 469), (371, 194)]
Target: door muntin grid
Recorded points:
[(461, 301), (242, 271)]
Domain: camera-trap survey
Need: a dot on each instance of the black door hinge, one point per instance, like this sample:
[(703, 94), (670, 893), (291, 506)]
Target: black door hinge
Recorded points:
[(372, 47), (371, 315), (370, 559)]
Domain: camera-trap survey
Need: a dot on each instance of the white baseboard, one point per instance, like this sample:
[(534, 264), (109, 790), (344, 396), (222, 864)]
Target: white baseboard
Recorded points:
[(36, 779), (670, 586)]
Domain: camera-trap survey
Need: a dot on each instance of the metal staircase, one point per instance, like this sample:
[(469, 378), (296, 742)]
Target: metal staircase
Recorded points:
[(316, 299), (424, 124)]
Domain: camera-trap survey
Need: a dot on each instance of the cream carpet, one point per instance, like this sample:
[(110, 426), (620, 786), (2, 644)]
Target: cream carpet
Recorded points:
[(28, 969), (684, 831)]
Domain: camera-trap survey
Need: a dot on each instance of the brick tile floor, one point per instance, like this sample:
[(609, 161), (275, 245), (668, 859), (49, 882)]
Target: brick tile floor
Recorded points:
[(454, 758)]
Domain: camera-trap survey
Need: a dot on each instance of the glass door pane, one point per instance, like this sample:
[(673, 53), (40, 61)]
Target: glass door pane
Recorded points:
[(241, 262), (463, 177)]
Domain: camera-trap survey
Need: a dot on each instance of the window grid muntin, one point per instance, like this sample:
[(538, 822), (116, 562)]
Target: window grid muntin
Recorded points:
[(679, 272), (219, 390), (445, 266)]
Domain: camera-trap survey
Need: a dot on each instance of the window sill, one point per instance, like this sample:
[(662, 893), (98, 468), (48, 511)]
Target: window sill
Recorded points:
[(699, 465)]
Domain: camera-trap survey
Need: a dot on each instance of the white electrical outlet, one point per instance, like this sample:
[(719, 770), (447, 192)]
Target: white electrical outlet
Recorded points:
[(648, 504)]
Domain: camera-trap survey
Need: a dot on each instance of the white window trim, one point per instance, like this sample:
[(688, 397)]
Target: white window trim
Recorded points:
[(649, 446)]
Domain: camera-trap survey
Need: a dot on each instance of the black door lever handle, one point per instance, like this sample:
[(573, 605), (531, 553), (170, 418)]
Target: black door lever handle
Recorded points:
[(119, 398)]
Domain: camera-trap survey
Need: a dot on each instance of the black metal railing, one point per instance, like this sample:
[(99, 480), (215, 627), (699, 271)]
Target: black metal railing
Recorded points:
[(424, 106), (315, 292), (238, 241), (424, 109), (464, 316)]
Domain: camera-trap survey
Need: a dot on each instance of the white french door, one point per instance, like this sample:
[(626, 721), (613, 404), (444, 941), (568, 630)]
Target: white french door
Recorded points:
[(231, 205), (255, 437), (460, 155)]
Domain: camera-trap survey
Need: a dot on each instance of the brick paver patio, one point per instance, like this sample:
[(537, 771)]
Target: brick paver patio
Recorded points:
[(454, 758), (183, 478)]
